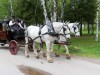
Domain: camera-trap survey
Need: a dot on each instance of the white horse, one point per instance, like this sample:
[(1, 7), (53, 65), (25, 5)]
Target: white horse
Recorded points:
[(73, 27), (33, 33)]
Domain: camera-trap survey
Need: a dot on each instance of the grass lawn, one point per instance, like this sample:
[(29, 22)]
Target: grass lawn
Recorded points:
[(83, 46), (86, 46)]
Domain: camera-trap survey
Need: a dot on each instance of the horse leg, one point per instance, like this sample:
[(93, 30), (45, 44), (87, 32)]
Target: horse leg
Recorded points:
[(43, 52), (51, 50), (68, 56), (49, 59), (56, 54), (26, 47), (41, 49), (35, 50)]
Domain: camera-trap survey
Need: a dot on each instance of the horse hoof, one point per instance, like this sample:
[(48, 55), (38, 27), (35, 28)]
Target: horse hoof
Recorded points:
[(38, 51), (44, 55), (27, 56), (57, 55), (50, 61), (68, 57)]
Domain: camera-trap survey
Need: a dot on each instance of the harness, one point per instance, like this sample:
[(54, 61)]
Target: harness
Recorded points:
[(71, 28), (64, 29), (51, 30), (54, 34)]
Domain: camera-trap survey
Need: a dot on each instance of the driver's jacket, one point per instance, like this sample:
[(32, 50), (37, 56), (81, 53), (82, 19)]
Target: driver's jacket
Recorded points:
[(12, 23)]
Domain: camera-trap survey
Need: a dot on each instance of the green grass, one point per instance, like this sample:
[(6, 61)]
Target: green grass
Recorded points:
[(83, 46), (87, 46)]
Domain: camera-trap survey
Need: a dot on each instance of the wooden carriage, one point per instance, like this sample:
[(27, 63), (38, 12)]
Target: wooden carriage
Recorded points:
[(10, 36)]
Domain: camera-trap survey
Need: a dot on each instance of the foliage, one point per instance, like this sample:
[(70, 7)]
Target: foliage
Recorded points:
[(29, 10), (4, 8), (81, 10), (87, 45), (90, 13)]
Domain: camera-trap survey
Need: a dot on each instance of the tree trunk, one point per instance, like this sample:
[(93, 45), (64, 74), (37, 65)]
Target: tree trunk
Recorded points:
[(50, 6), (55, 10), (88, 28), (92, 31), (44, 8), (48, 22), (81, 28), (62, 9), (11, 8), (97, 24)]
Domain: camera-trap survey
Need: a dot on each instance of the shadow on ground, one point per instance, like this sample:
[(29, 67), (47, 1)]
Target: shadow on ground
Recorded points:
[(31, 71)]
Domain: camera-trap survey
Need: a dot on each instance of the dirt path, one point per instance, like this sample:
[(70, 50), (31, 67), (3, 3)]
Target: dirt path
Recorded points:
[(19, 65)]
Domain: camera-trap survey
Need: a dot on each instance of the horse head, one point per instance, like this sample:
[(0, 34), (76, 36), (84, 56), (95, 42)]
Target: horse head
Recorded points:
[(66, 30), (74, 28), (61, 28)]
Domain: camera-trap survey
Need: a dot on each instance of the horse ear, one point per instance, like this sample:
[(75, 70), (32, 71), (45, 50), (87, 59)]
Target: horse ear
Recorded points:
[(67, 23), (76, 23)]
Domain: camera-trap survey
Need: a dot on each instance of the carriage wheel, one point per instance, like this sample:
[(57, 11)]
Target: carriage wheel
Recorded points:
[(13, 47)]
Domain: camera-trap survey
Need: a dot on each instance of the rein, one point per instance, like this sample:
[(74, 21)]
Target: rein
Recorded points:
[(71, 28)]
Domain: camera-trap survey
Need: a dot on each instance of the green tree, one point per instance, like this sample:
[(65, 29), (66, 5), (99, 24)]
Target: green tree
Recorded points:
[(81, 11), (4, 8), (30, 10)]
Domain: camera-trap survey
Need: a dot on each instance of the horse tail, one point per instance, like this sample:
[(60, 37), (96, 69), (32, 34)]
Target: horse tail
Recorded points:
[(26, 36), (26, 33)]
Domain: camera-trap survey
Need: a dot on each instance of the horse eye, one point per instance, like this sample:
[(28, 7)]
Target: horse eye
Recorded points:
[(64, 28), (74, 28)]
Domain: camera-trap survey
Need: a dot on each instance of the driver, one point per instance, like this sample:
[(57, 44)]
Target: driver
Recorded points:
[(14, 21)]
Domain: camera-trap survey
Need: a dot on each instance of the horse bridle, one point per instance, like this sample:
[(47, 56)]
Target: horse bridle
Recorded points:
[(71, 28), (75, 29), (64, 29)]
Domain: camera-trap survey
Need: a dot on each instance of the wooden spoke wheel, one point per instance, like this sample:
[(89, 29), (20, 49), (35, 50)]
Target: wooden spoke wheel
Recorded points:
[(13, 47)]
